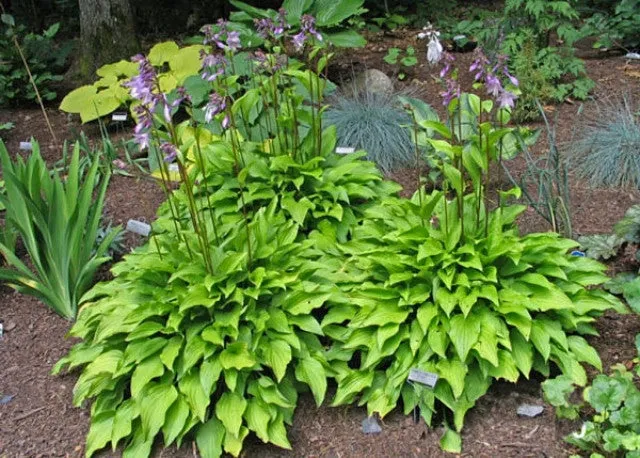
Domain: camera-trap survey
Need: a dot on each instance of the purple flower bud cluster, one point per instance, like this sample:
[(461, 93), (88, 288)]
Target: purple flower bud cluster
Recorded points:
[(217, 104), (450, 79), (269, 62), (490, 74), (143, 87), (170, 151), (307, 30), (267, 28), (222, 37), (213, 65)]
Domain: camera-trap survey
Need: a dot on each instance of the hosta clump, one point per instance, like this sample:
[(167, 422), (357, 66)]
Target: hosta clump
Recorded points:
[(469, 302), (329, 192), (169, 349)]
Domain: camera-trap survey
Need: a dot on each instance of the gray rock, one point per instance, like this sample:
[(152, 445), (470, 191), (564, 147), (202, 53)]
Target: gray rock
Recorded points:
[(373, 81), (370, 426), (530, 410), (6, 399)]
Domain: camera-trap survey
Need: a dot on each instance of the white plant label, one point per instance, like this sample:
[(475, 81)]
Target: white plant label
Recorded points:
[(423, 377), (120, 117), (173, 167), (138, 227), (345, 150), (1, 330), (26, 146)]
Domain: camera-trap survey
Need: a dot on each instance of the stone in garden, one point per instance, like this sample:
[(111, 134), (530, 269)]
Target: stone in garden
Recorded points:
[(373, 81), (6, 399), (530, 410), (370, 426)]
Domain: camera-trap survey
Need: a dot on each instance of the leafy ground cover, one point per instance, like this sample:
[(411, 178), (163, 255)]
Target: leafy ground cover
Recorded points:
[(325, 432)]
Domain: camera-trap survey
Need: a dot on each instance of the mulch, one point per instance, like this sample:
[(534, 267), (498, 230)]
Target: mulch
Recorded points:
[(40, 420)]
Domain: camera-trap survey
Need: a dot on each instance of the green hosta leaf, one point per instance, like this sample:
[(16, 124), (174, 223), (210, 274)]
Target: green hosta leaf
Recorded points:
[(464, 333), (99, 432), (125, 414), (162, 53), (149, 369), (277, 354), (278, 433), (175, 420), (354, 383), (154, 403), (229, 409), (522, 352), (191, 387), (233, 444), (451, 441), (209, 438), (584, 352), (237, 356), (258, 417), (454, 372), (76, 100), (311, 372)]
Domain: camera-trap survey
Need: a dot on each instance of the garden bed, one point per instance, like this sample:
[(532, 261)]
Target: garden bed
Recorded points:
[(40, 421)]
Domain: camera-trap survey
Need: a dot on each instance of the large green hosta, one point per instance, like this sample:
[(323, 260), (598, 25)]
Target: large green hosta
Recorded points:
[(468, 307), (168, 349)]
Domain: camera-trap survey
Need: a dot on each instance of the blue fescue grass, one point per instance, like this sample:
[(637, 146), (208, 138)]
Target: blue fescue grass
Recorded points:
[(605, 150), (375, 123)]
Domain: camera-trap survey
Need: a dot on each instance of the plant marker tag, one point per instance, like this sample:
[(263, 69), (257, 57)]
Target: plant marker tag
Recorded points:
[(425, 378), (26, 146), (345, 150), (370, 426), (1, 330), (577, 253), (138, 227), (173, 167), (119, 117)]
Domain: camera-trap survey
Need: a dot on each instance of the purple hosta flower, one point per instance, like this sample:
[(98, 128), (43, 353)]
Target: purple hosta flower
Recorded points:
[(493, 85), (506, 99), (170, 151), (168, 107), (265, 27), (449, 59), (479, 65), (142, 86), (217, 104), (452, 92), (141, 135), (222, 38), (307, 29), (269, 62), (213, 66)]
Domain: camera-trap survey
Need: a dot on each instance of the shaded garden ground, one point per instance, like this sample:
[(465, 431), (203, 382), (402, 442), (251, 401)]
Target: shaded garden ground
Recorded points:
[(40, 420)]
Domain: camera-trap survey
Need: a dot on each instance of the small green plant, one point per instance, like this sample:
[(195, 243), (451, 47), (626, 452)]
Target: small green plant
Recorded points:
[(117, 246), (614, 428), (619, 28), (404, 60), (57, 223), (46, 61), (375, 123), (605, 148), (390, 21)]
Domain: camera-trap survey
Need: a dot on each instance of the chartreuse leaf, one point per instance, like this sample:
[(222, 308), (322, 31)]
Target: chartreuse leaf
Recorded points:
[(464, 333), (99, 432), (154, 403), (311, 372), (175, 420), (209, 438), (451, 441), (229, 410), (257, 415)]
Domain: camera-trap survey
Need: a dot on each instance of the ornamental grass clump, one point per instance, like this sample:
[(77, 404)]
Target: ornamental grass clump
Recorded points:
[(375, 123), (605, 149)]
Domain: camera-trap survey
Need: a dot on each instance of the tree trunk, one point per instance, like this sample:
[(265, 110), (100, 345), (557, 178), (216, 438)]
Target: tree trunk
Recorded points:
[(107, 34)]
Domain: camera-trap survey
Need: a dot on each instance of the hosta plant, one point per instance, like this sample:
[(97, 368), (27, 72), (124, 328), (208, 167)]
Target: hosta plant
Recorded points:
[(170, 349), (57, 221), (440, 294)]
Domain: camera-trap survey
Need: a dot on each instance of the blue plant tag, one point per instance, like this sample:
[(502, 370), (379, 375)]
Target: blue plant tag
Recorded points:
[(580, 254)]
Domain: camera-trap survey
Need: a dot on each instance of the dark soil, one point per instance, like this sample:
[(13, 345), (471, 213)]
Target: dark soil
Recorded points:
[(40, 421)]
